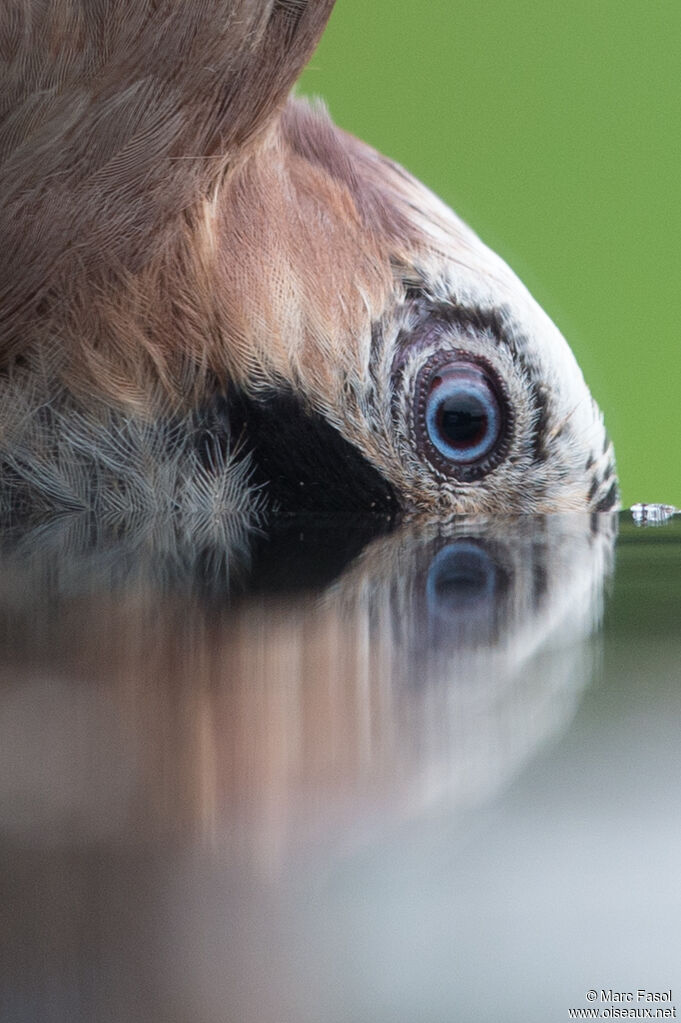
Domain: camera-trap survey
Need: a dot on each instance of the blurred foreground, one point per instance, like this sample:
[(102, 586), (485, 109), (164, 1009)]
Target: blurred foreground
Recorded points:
[(332, 777)]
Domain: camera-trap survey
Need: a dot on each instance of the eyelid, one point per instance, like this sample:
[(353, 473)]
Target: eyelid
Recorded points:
[(426, 320)]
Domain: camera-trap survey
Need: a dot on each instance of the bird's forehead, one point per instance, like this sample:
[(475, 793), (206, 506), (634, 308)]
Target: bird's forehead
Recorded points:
[(455, 274)]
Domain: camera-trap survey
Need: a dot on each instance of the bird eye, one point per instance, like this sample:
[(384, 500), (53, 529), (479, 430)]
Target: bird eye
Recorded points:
[(462, 415)]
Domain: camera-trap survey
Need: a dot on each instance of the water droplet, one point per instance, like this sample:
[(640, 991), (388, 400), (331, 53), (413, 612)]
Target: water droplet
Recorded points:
[(652, 514)]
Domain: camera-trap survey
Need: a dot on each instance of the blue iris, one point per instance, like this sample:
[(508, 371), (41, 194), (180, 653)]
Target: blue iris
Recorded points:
[(463, 415)]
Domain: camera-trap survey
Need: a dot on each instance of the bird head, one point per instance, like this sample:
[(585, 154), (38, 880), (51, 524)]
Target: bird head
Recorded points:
[(383, 320), (182, 241)]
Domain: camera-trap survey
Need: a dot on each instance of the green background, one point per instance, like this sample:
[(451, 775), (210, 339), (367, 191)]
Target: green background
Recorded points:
[(553, 129)]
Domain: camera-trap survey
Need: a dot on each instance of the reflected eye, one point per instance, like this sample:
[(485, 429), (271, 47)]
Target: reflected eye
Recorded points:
[(462, 416), (461, 574), (466, 590)]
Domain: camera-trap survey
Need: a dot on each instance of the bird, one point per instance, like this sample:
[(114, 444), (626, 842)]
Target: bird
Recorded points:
[(207, 289)]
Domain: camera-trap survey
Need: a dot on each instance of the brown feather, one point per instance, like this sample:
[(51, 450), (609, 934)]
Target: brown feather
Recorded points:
[(119, 120)]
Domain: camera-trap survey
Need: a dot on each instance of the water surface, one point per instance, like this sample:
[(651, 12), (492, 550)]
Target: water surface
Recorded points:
[(431, 774)]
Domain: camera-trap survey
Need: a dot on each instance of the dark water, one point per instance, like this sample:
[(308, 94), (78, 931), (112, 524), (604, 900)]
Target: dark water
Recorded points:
[(432, 775)]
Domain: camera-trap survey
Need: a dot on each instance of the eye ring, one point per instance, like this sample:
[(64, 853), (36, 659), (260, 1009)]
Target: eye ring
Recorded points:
[(463, 420)]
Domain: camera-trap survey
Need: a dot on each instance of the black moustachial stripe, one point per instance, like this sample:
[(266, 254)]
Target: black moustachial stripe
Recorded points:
[(301, 461)]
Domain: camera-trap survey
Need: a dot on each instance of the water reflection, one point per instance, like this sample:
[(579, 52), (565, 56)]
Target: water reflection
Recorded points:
[(139, 704), (188, 744)]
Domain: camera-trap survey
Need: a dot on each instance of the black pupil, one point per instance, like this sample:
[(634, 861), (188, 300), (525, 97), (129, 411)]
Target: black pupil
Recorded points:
[(462, 420)]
